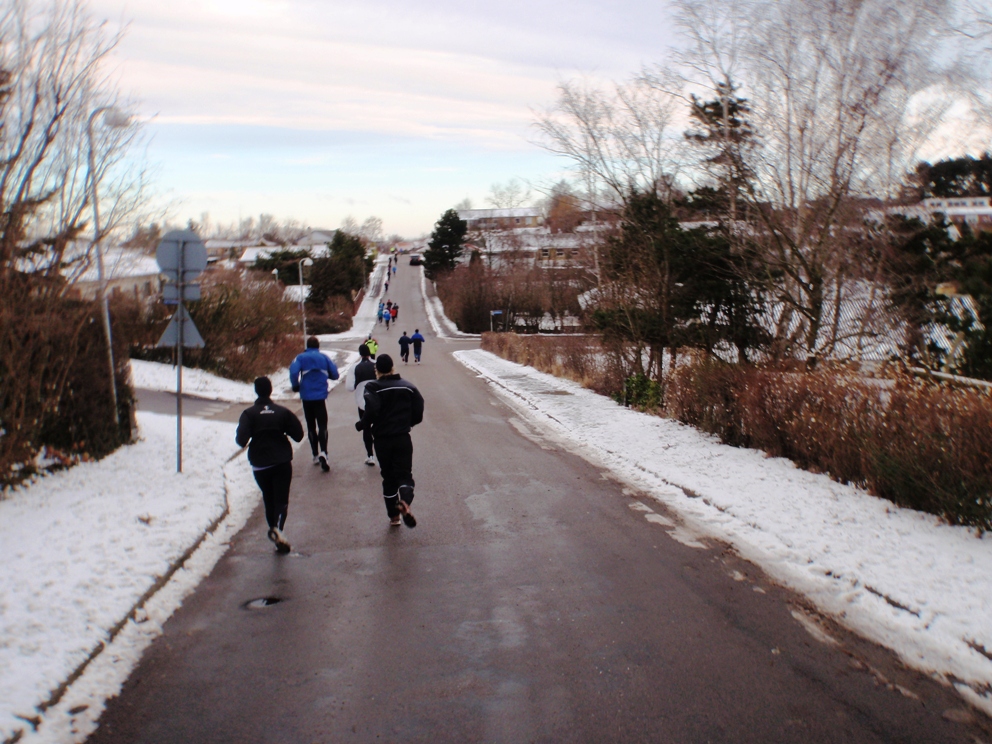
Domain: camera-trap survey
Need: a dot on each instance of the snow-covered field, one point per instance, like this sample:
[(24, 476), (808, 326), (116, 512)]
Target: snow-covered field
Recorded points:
[(81, 549), (896, 576)]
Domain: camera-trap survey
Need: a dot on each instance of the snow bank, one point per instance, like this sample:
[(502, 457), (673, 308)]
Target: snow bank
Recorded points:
[(196, 382), (896, 576), (366, 318), (82, 546), (158, 376), (441, 323)]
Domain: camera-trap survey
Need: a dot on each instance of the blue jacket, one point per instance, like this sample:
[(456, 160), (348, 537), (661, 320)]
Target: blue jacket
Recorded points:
[(417, 340), (309, 372)]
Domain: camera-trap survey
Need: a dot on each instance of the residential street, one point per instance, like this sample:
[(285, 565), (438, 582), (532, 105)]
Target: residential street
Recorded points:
[(531, 603)]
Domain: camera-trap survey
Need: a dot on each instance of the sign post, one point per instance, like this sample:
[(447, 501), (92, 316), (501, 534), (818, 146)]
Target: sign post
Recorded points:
[(182, 256)]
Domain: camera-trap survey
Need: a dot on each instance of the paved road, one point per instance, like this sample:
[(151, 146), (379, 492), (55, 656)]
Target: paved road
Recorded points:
[(530, 604)]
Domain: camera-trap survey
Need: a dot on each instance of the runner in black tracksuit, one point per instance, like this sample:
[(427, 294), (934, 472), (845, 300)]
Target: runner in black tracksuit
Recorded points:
[(362, 373), (264, 428), (392, 407)]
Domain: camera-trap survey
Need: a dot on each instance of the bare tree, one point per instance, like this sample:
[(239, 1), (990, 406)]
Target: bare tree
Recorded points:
[(371, 230), (52, 94), (509, 195), (619, 140), (835, 91)]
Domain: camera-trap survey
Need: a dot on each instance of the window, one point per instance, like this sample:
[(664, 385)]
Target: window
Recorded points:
[(545, 253)]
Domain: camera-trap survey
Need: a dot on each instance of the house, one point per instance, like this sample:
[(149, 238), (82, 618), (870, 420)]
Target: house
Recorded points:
[(127, 271), (315, 239), (974, 211), (501, 219)]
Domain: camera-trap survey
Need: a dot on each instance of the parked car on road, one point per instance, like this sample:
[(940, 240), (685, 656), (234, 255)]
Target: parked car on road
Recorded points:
[(415, 259)]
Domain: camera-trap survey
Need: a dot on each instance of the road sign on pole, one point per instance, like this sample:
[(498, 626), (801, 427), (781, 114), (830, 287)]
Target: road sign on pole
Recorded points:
[(191, 338), (182, 256)]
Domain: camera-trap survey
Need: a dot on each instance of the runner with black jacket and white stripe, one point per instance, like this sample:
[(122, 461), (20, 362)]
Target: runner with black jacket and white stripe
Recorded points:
[(264, 428), (392, 407)]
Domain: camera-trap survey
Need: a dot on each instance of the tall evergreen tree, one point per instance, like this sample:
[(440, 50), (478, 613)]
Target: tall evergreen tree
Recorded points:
[(446, 244)]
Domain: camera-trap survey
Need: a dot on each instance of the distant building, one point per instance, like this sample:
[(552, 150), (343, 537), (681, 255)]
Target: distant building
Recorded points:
[(501, 219), (127, 271), (974, 211), (315, 238)]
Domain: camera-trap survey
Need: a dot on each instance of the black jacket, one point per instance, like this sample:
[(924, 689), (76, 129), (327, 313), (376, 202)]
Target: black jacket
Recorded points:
[(364, 370), (392, 407), (264, 428)]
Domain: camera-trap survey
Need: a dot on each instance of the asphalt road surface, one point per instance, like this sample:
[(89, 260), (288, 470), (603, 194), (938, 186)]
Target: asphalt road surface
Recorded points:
[(531, 603)]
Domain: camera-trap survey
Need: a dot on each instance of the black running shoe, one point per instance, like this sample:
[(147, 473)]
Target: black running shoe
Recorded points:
[(408, 519)]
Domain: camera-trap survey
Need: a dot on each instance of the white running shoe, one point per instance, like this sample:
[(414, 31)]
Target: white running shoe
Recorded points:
[(370, 460), (323, 461), (316, 460)]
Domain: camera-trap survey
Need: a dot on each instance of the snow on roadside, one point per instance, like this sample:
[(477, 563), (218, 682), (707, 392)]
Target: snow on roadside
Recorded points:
[(365, 319), (201, 384), (893, 575), (83, 545), (441, 323), (159, 376)]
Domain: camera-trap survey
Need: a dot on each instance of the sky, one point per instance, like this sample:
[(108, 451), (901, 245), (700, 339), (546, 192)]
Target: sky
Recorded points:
[(399, 109)]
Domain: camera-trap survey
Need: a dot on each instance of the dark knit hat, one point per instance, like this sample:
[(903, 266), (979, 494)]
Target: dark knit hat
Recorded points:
[(384, 364)]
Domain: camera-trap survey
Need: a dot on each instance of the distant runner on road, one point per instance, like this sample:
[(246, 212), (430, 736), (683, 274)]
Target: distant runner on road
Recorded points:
[(392, 407), (417, 340), (405, 342), (360, 375), (264, 428), (308, 375), (371, 345)]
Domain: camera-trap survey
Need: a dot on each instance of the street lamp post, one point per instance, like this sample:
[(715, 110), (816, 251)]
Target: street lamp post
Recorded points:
[(114, 119), (303, 300)]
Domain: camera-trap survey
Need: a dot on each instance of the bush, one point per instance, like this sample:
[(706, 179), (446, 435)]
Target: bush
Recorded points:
[(54, 386), (575, 357), (247, 328), (915, 443), (920, 445)]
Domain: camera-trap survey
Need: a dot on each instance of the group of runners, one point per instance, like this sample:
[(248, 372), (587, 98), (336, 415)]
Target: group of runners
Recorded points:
[(388, 407), (387, 312)]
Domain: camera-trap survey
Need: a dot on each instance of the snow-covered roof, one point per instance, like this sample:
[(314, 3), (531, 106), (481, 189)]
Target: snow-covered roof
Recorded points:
[(492, 214), (292, 292), (251, 255), (227, 243), (119, 263), (316, 237)]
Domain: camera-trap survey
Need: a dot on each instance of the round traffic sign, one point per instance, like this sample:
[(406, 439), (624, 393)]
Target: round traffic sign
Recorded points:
[(184, 246)]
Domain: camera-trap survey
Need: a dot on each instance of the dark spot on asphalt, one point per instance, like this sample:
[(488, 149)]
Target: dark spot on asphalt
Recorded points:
[(262, 603)]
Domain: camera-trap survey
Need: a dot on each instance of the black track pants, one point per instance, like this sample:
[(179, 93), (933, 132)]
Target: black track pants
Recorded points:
[(274, 483), (315, 412), (366, 435), (396, 466)]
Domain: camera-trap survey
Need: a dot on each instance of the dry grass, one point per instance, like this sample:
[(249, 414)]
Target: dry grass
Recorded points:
[(578, 358), (918, 444)]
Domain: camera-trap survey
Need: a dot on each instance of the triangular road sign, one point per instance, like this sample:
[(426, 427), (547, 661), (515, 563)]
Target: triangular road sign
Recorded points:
[(191, 337)]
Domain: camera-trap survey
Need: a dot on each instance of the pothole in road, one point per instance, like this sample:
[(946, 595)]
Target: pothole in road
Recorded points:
[(261, 603)]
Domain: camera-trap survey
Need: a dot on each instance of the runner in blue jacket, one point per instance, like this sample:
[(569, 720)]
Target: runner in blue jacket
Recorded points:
[(308, 374), (417, 339)]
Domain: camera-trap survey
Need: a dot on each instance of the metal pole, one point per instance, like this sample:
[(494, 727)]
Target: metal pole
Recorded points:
[(180, 277), (101, 275), (303, 306)]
